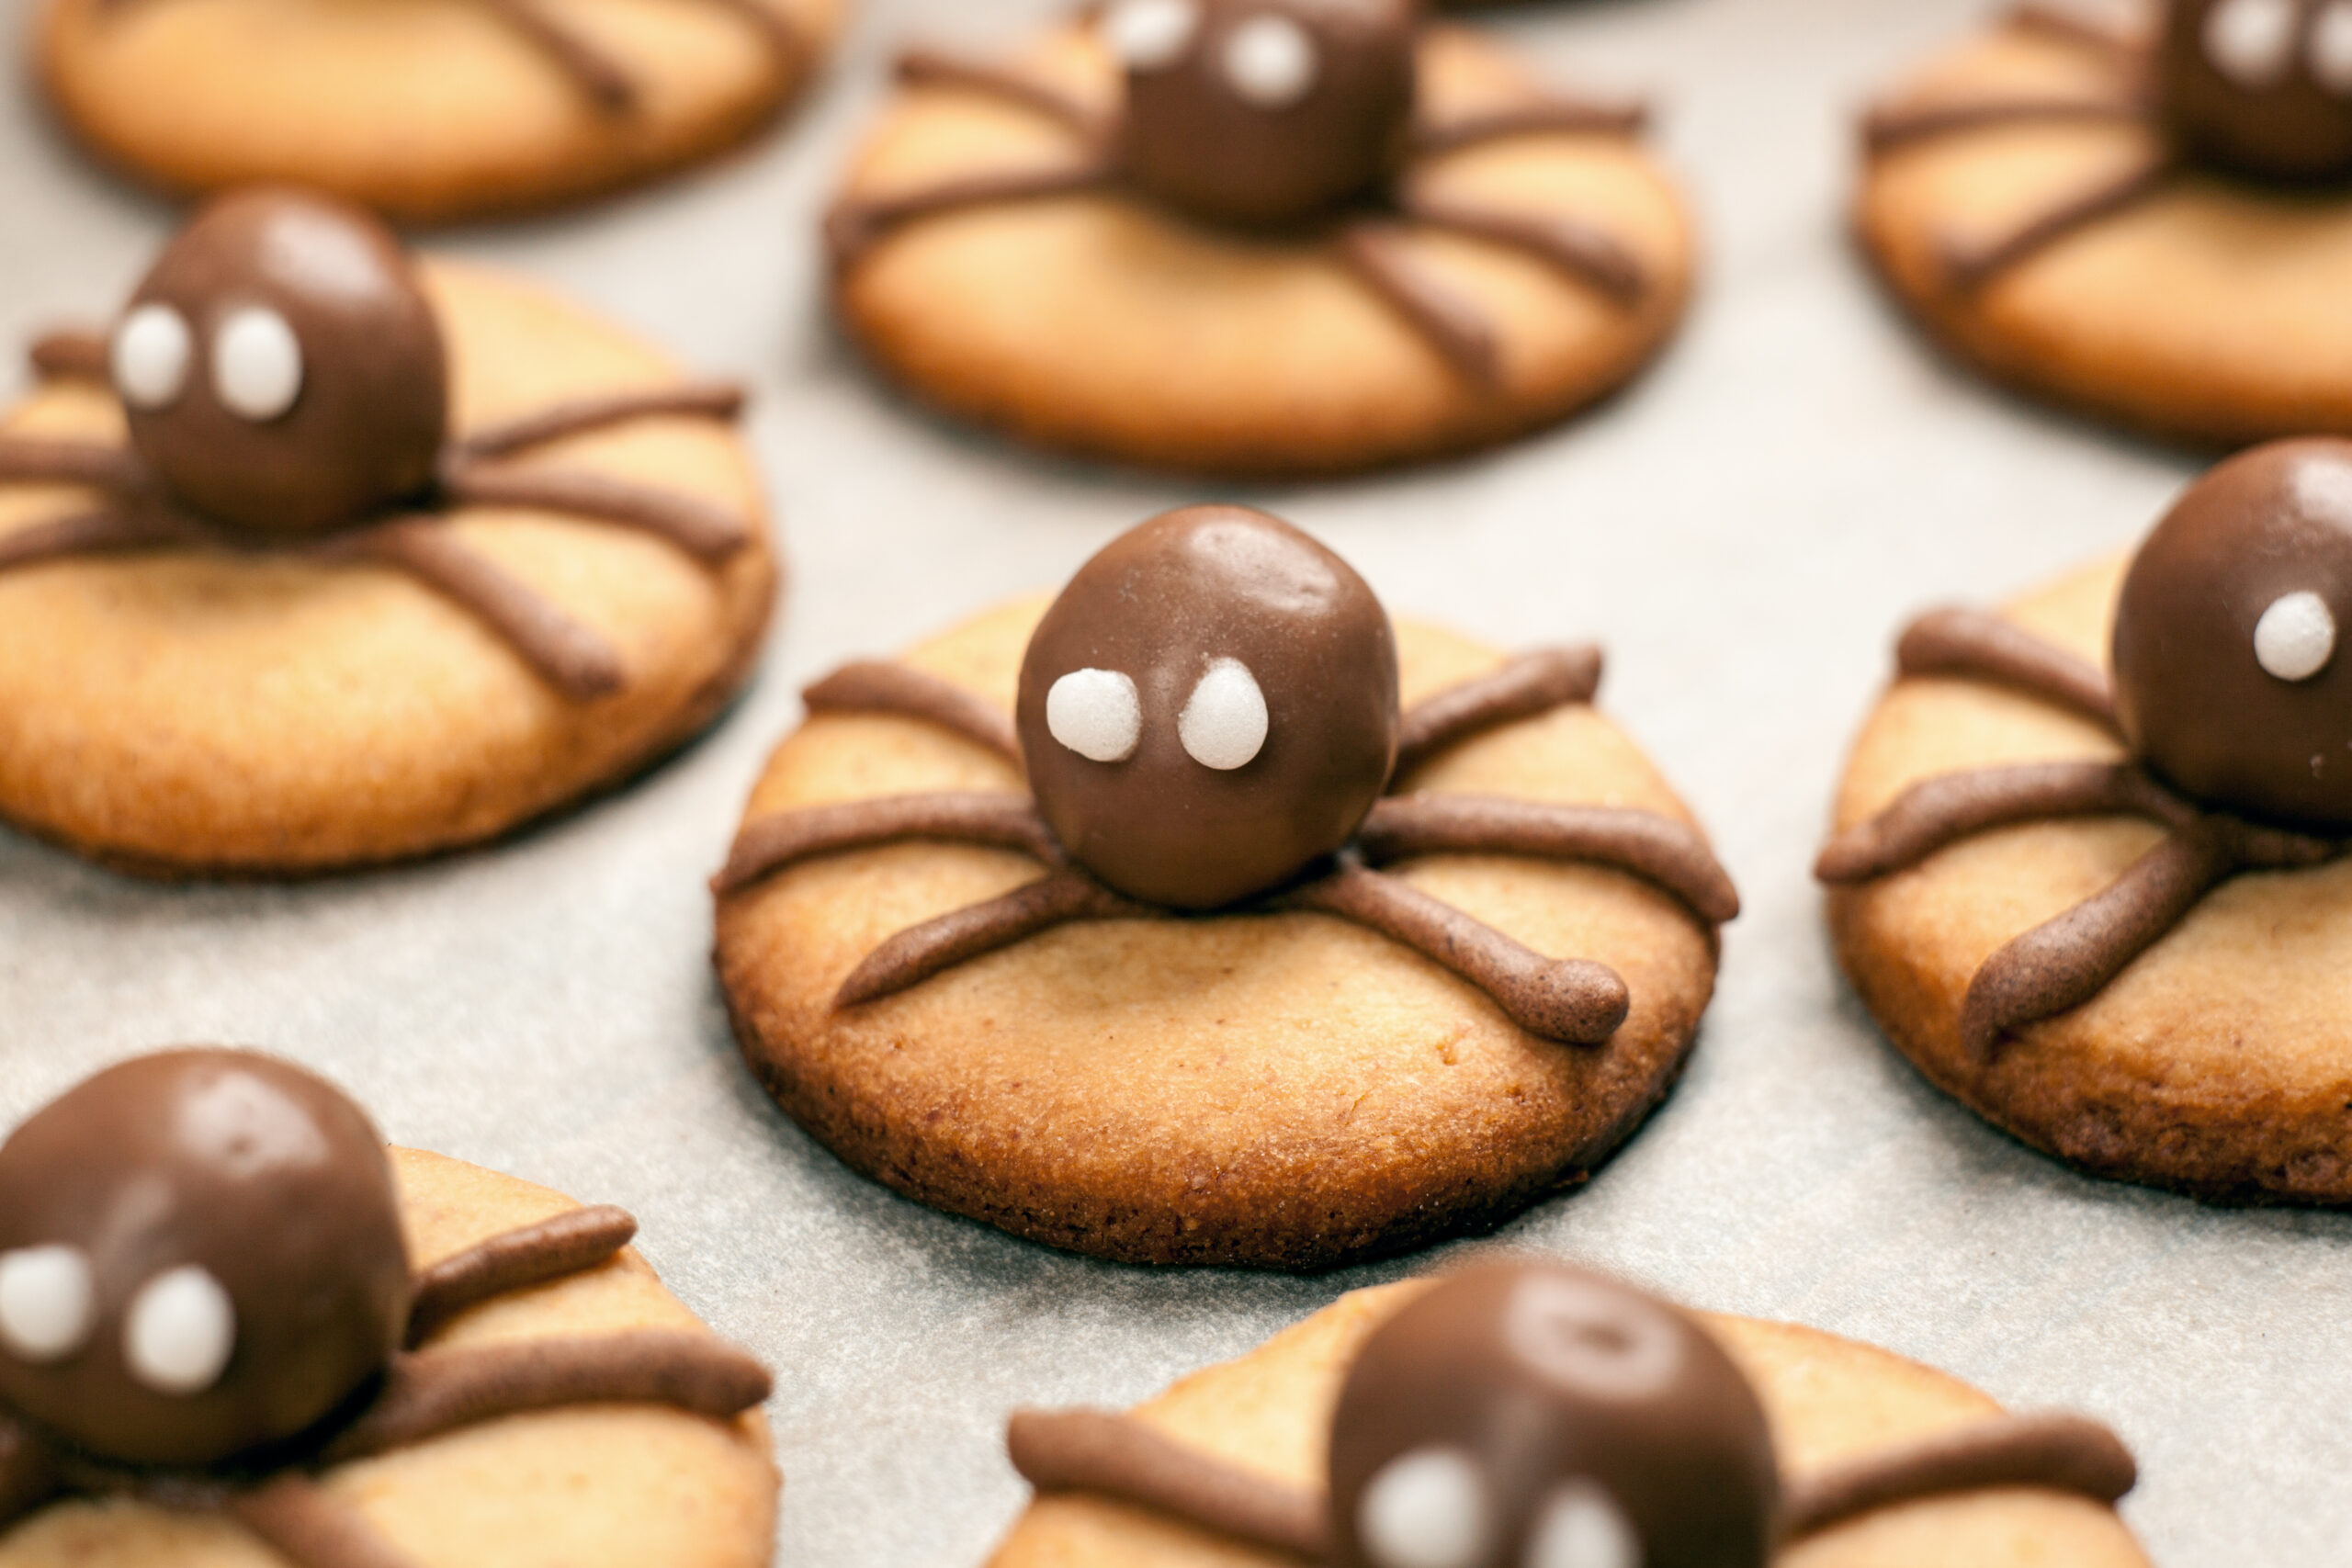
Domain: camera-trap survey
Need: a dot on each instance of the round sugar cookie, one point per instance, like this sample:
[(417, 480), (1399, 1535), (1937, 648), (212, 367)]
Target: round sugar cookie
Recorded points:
[(428, 110), (1527, 258)]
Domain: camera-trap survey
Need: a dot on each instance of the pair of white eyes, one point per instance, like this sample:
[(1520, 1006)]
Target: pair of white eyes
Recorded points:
[(1096, 714), (176, 1339), (2296, 637), (1430, 1509), (257, 360), (2252, 42), (1269, 60)]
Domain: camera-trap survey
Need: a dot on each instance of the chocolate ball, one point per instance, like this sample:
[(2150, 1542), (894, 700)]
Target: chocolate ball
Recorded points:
[(200, 1254), (1209, 708), (1263, 112), (2228, 677), (1531, 1412), (2259, 87), (281, 367)]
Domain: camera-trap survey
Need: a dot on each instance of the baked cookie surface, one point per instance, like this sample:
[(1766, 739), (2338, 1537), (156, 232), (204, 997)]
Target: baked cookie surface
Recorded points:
[(1106, 321), (428, 110)]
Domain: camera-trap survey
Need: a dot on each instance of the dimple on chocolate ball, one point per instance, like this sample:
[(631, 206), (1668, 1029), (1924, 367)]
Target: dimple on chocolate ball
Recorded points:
[(1263, 112), (1534, 1413), (2261, 88), (200, 1254), (1209, 707), (281, 367), (2229, 678)]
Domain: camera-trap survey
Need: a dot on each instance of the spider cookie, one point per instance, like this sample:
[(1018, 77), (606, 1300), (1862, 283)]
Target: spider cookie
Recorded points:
[(2089, 869), (1261, 236), (323, 556), (229, 1320), (1203, 916), (2154, 223), (426, 110), (1521, 1413)]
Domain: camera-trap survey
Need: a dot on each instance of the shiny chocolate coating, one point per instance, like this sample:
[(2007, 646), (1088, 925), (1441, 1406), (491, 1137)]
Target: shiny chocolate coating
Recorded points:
[(1582, 1406), (2195, 697), (1162, 606), (1267, 112), (248, 1167), (366, 425), (2259, 87)]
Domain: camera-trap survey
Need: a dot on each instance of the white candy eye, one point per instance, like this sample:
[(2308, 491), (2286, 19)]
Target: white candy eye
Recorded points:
[(2296, 637), (1427, 1509), (1581, 1528), (2251, 42), (149, 356), (1095, 714), (1224, 721), (179, 1332), (1150, 35), (1269, 62), (47, 1301), (256, 363), (2331, 48)]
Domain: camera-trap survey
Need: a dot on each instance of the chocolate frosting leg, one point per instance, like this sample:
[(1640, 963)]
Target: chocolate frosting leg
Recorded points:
[(1550, 116), (854, 227), (703, 400), (574, 658), (779, 32), (920, 951), (1586, 253), (25, 460), (1530, 684), (1574, 1001), (1970, 266), (529, 1256), (929, 68), (2069, 25), (29, 1475), (72, 356), (701, 530), (2059, 1452), (1666, 852), (1939, 811), (1374, 251), (310, 1528), (89, 532), (1118, 1455), (1002, 820), (1893, 126), (1972, 645), (878, 686), (607, 84), (427, 1392)]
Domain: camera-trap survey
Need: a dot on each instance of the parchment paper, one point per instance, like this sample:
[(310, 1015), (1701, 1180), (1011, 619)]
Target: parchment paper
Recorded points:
[(1744, 530)]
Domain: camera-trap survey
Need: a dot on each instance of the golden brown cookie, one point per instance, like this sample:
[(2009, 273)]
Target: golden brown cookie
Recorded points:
[(428, 110), (2154, 225), (1174, 1071), (1144, 303), (246, 686)]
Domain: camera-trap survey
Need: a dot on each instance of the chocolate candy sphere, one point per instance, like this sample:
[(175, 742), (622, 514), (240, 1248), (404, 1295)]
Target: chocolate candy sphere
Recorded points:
[(2229, 679), (2261, 88), (1209, 708), (281, 369), (1262, 111), (1534, 1413), (200, 1254)]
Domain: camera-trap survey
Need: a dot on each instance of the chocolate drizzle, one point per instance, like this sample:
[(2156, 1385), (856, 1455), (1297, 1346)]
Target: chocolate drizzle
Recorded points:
[(873, 686), (695, 400), (531, 1255), (1658, 848), (1971, 265), (1973, 645), (69, 357), (1380, 254), (1527, 687), (920, 951), (569, 656), (1118, 1455), (605, 83), (2055, 1452), (932, 68), (769, 844)]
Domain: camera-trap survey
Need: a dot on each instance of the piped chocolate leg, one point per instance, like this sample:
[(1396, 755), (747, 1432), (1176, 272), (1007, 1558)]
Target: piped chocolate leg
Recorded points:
[(778, 31), (607, 85), (998, 820), (1976, 646), (695, 400), (879, 686), (2050, 1453), (88, 534), (702, 531), (427, 1392), (574, 658), (854, 227), (2069, 24), (1657, 848), (28, 1476), (1574, 1001), (310, 1528), (920, 951), (1375, 252), (1120, 1457), (1893, 126), (1551, 115), (1970, 266), (1530, 684), (1940, 811), (931, 68), (70, 357), (1587, 255), (26, 460), (529, 1256)]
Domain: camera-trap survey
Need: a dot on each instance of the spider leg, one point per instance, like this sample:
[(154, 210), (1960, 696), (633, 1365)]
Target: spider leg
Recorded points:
[(1574, 1001), (1972, 645), (1529, 684), (1586, 253), (574, 658), (879, 686), (766, 845), (310, 1528), (2069, 24), (705, 399), (701, 530), (1374, 251), (1939, 811), (915, 955), (779, 31), (2050, 1453), (1970, 267), (1120, 1457), (1893, 126), (1652, 846), (853, 228), (27, 460), (528, 1256), (99, 532), (931, 68), (70, 357), (28, 1476), (607, 85), (427, 1392), (1548, 115)]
